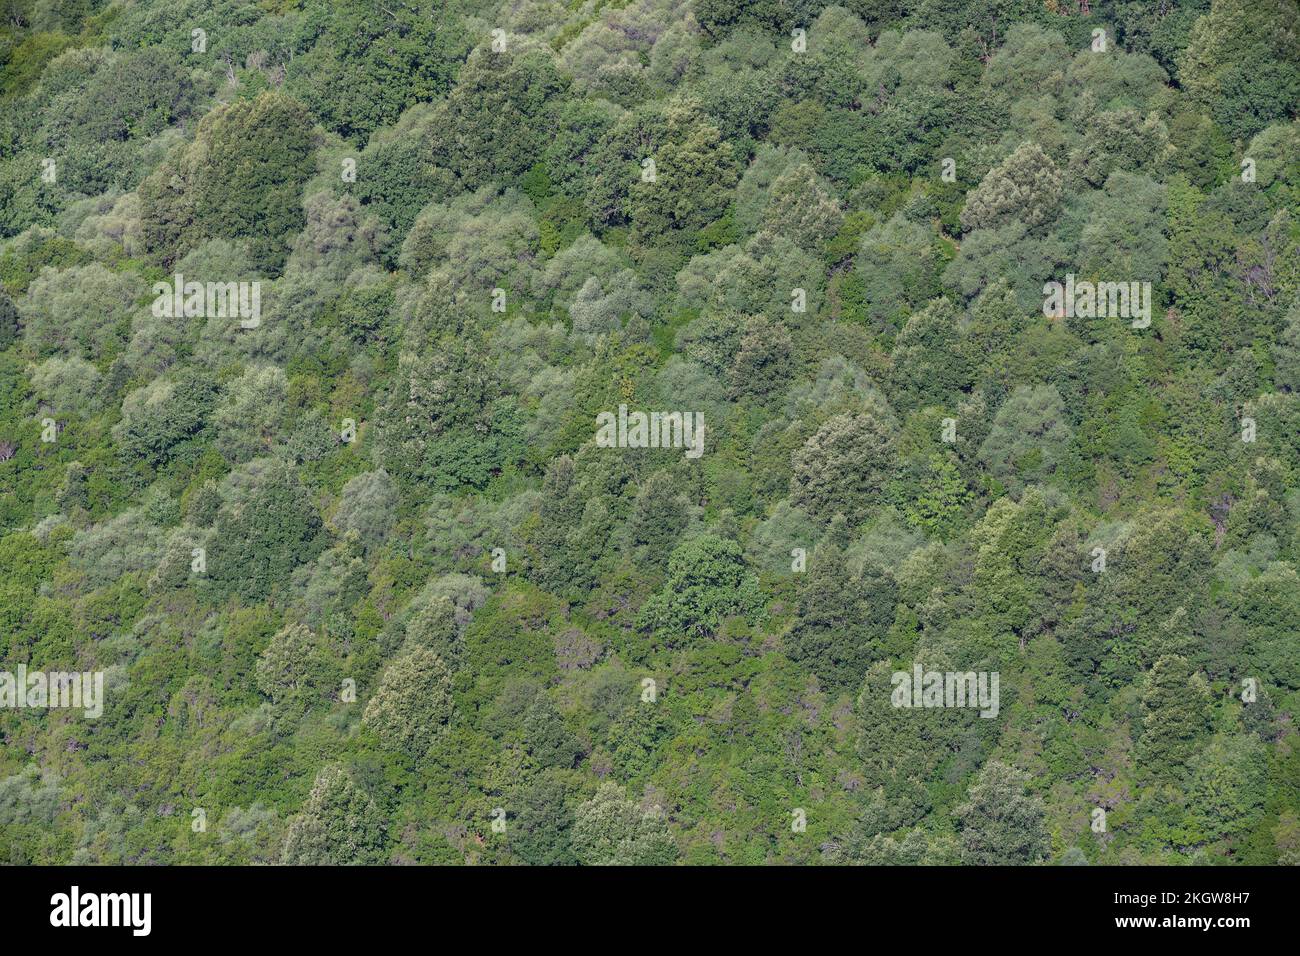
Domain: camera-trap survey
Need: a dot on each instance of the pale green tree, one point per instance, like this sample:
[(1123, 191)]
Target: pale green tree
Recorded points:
[(1000, 824), (610, 830), (339, 825), (412, 705), (1024, 186)]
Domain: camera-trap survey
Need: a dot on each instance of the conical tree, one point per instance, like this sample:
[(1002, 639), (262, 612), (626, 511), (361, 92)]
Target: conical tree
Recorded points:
[(1175, 715), (339, 825)]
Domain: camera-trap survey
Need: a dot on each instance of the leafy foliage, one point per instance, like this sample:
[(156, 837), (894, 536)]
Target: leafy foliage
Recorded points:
[(368, 586)]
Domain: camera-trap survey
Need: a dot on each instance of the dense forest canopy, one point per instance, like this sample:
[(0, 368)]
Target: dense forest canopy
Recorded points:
[(651, 431)]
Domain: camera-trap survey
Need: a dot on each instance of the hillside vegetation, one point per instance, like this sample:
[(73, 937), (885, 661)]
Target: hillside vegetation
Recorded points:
[(326, 330)]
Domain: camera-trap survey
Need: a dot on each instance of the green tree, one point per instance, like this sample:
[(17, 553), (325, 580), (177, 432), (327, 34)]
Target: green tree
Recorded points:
[(9, 326), (1286, 352), (610, 830), (434, 628), (659, 516), (373, 61), (259, 541), (707, 583), (1226, 793), (249, 415), (296, 665), (498, 118), (842, 468), (1175, 715), (1000, 824), (763, 361), (443, 420), (1029, 437), (941, 498), (843, 618), (929, 363), (167, 418), (242, 178), (801, 208), (543, 830), (897, 261), (1026, 186), (412, 705), (1242, 62), (548, 741), (339, 825), (368, 506)]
